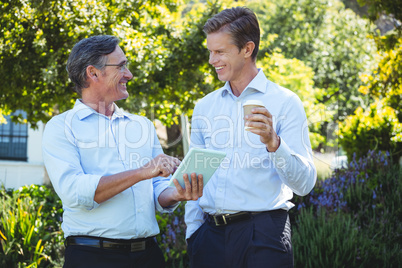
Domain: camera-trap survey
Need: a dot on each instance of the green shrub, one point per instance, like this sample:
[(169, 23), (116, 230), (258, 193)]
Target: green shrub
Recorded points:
[(52, 214), (30, 233), (326, 240), (376, 128), (375, 205), (366, 196)]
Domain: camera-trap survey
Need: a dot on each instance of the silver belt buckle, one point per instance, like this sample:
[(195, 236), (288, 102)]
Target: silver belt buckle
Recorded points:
[(220, 223), (137, 246)]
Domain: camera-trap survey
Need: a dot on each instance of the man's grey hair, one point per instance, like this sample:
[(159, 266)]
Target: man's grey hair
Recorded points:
[(89, 51)]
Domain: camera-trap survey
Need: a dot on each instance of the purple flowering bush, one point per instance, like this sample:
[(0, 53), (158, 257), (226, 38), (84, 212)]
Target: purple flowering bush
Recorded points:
[(172, 237), (343, 191), (354, 217)]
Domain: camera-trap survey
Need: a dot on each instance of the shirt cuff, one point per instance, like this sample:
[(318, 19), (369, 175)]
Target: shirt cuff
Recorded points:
[(158, 206), (281, 156), (277, 147), (168, 209), (86, 191)]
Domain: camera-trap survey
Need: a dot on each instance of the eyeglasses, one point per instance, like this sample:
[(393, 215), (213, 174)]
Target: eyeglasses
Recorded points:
[(122, 66)]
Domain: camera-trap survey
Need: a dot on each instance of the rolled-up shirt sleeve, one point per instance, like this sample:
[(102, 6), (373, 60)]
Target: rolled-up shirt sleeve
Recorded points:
[(160, 184)]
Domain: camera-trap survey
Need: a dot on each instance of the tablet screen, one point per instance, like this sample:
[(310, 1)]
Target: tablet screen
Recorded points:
[(199, 161)]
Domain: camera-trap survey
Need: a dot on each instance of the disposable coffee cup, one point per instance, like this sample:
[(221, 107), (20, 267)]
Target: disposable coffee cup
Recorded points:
[(248, 106)]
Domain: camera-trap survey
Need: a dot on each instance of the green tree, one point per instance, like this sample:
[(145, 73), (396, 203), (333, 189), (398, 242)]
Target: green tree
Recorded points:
[(296, 76), (380, 124), (328, 38), (385, 80), (376, 8), (164, 49), (183, 75)]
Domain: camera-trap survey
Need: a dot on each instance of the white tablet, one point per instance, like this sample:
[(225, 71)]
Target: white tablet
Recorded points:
[(199, 161)]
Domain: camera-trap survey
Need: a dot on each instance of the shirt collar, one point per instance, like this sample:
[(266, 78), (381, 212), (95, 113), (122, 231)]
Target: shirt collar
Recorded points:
[(259, 83), (118, 112), (83, 111)]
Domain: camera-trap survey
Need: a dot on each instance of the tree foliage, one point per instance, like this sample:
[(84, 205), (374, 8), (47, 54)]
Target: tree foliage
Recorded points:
[(164, 49), (328, 38), (295, 75), (385, 80), (322, 49), (380, 124), (184, 74), (376, 8)]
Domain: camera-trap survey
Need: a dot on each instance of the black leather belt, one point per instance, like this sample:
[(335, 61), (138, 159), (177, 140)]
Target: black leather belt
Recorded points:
[(225, 219), (131, 245)]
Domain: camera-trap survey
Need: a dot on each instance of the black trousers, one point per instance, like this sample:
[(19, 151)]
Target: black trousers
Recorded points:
[(77, 256), (262, 241)]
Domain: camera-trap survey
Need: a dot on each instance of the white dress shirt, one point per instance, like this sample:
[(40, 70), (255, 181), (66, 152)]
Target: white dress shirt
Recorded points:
[(250, 178), (79, 147)]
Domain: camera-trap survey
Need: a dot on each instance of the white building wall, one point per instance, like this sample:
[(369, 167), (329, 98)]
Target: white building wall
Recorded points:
[(14, 174)]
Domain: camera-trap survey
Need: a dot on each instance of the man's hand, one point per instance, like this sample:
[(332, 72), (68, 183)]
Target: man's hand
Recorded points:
[(191, 191), (162, 165), (261, 123)]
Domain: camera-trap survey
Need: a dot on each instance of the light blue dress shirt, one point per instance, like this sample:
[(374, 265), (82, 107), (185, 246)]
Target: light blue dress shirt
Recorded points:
[(250, 178), (79, 147)]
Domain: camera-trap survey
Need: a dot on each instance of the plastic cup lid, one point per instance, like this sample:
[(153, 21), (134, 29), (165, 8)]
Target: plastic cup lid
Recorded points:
[(253, 102)]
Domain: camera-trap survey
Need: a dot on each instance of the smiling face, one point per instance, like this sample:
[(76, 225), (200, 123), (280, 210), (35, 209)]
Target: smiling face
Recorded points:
[(115, 76), (228, 61)]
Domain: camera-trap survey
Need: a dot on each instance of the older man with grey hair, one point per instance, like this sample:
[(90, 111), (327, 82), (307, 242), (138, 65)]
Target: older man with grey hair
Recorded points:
[(108, 167)]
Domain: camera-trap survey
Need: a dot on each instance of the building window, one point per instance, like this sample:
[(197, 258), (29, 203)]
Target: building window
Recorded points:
[(13, 139)]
